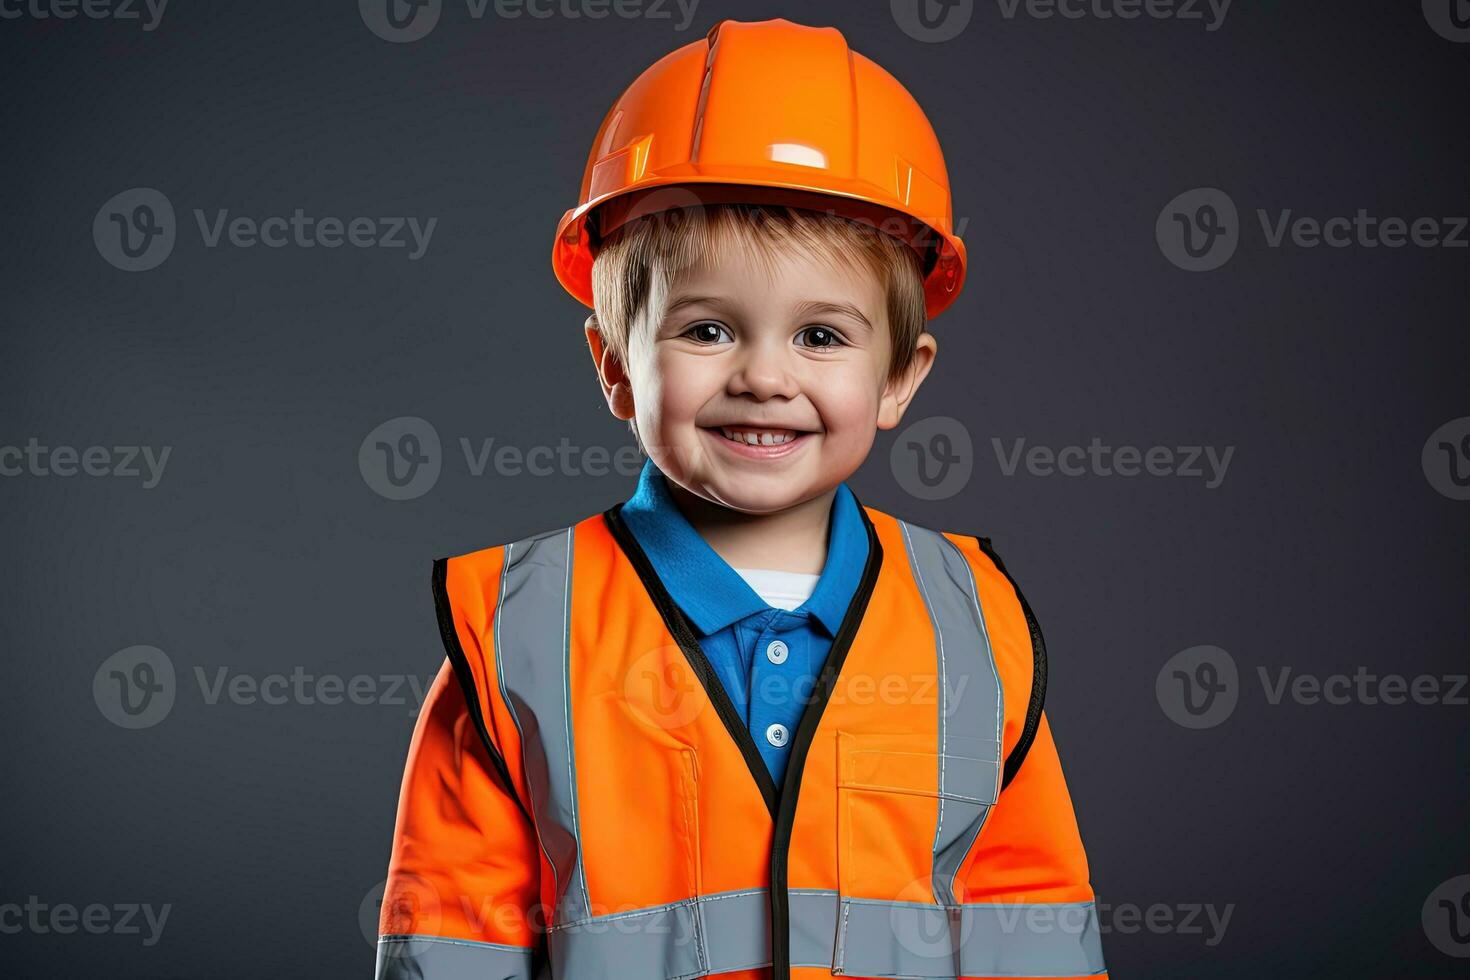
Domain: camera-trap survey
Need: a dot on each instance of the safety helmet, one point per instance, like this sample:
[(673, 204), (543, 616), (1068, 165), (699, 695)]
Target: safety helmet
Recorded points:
[(767, 112)]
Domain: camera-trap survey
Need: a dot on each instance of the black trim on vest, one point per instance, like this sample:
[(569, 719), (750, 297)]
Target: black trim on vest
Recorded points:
[(1038, 673), (782, 805), (805, 730), (683, 632), (450, 636)]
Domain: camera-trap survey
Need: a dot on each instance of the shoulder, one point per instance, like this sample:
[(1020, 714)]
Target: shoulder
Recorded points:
[(470, 584), (977, 549), (1017, 647)]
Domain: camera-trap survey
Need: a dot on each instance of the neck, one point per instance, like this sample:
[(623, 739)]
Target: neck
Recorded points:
[(791, 540)]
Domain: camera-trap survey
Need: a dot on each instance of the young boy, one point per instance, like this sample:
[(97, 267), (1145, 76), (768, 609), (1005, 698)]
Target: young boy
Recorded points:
[(741, 724)]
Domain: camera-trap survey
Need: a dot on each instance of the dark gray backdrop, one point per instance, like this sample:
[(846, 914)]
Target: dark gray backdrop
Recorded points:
[(1335, 542)]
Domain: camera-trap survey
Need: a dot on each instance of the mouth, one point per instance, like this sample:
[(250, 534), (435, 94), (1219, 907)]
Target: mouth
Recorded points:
[(758, 442)]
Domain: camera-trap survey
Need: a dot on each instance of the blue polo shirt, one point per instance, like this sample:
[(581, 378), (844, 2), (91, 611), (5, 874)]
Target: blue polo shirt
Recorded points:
[(767, 659)]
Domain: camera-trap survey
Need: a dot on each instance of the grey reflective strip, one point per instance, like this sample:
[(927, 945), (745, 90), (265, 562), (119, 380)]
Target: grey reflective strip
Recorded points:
[(532, 651), (438, 958), (813, 924), (969, 732), (730, 931), (910, 939), (710, 934)]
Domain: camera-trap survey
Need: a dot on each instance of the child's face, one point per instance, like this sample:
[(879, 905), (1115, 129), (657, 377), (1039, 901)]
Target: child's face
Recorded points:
[(798, 352)]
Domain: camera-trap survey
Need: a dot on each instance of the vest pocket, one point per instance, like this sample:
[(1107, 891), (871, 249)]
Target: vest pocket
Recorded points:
[(906, 816)]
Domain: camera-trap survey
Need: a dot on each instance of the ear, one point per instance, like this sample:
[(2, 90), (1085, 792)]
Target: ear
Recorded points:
[(610, 372), (898, 392)]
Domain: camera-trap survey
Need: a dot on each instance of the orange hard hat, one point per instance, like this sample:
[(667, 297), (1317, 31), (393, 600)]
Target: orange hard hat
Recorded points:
[(768, 112)]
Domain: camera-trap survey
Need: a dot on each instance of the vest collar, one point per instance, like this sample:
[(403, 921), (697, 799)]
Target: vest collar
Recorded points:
[(713, 594)]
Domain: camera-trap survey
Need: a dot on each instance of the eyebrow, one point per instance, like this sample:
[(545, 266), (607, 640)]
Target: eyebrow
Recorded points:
[(818, 307), (806, 309)]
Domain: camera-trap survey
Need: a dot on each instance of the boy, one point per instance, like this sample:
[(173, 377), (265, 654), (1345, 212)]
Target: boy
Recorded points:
[(740, 724)]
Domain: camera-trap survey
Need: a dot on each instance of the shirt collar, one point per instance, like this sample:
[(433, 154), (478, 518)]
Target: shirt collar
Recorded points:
[(704, 585)]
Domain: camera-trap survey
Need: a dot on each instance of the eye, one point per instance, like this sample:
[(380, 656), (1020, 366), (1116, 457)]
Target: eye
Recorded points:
[(706, 331), (822, 337)]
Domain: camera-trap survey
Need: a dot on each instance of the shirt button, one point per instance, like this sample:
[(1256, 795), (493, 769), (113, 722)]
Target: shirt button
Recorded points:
[(776, 652), (776, 734)]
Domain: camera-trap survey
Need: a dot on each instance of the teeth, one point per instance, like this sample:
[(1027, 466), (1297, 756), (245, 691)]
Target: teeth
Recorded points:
[(758, 437)]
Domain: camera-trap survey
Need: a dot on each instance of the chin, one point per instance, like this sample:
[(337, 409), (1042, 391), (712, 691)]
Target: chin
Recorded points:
[(750, 497)]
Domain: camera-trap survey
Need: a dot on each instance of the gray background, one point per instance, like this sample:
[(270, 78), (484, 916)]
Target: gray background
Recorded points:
[(264, 549)]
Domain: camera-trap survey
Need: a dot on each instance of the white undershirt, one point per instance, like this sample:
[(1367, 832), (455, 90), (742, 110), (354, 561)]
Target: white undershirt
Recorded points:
[(784, 590)]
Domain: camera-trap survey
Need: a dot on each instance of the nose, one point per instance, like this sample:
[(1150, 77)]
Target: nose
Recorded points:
[(765, 370)]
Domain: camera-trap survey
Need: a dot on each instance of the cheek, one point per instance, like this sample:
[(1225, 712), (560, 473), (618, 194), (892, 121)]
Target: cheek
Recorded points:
[(849, 401), (679, 386)]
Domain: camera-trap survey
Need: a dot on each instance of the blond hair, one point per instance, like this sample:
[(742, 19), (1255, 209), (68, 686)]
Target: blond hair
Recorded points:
[(635, 266)]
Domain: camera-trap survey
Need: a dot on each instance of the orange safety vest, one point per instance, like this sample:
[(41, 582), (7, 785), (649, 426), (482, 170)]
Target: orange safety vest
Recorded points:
[(582, 802)]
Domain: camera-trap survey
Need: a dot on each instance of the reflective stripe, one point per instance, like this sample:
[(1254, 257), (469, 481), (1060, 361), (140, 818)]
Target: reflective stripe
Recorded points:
[(813, 924), (969, 733), (439, 958), (730, 931), (708, 934), (533, 609), (910, 939)]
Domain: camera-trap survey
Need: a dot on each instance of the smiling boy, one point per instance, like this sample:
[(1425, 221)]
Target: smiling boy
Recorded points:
[(741, 724)]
